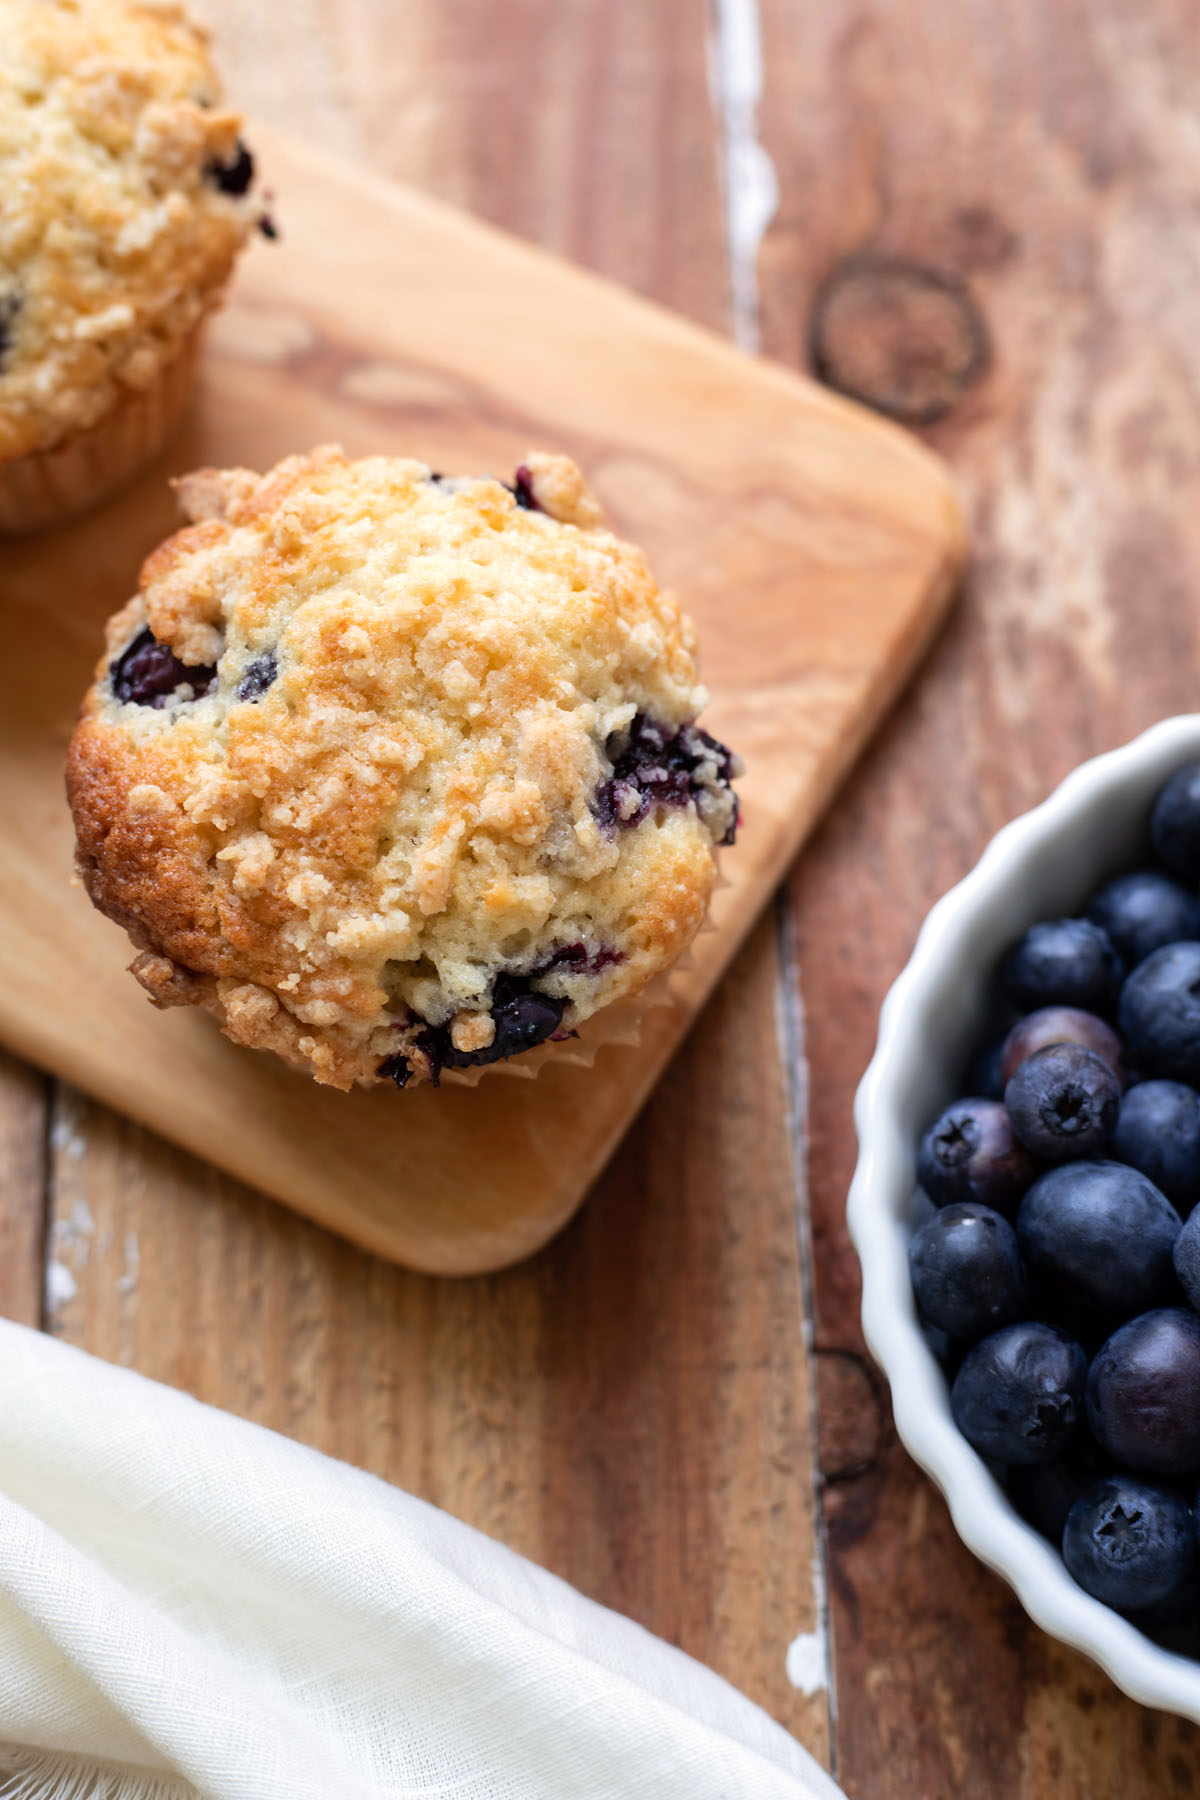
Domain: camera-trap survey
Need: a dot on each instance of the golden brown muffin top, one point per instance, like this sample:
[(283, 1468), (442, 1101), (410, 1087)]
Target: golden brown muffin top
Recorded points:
[(125, 203), (414, 749)]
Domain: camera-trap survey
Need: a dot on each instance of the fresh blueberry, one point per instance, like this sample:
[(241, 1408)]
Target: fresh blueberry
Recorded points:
[(1143, 1392), (1019, 1394), (1187, 1259), (235, 176), (1143, 911), (966, 1271), (1172, 1622), (1158, 1132), (1160, 1013), (1063, 962), (1063, 1102), (1097, 1236), (986, 1073), (971, 1153), (948, 1351), (1175, 824), (258, 677), (1128, 1543), (1044, 1493), (148, 673), (1060, 1025)]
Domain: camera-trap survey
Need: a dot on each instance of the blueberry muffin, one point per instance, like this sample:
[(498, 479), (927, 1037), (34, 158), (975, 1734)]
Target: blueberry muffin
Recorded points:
[(126, 199), (398, 773)]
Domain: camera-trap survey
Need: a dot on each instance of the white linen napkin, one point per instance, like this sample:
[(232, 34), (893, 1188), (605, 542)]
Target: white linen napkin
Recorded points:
[(191, 1604)]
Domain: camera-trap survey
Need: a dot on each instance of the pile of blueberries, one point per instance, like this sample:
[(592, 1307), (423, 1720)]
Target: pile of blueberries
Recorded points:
[(1058, 1267)]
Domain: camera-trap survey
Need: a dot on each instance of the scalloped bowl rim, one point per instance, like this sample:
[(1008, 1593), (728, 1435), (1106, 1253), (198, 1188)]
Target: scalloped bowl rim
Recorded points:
[(882, 1188)]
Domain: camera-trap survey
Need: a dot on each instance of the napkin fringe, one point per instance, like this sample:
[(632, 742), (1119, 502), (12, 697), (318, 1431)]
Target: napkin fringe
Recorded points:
[(52, 1775)]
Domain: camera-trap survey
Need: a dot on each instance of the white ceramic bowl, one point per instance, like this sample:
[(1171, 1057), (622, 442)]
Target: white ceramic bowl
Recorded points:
[(1043, 865)]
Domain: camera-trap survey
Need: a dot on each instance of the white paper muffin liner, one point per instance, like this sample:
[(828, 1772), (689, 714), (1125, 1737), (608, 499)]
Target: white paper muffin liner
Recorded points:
[(50, 487)]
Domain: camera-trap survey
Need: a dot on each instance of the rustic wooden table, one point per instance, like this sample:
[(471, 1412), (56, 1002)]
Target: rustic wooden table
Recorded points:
[(641, 1408)]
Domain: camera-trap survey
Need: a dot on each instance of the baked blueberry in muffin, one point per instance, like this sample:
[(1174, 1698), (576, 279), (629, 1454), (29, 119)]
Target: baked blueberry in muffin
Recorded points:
[(127, 196), (398, 773)]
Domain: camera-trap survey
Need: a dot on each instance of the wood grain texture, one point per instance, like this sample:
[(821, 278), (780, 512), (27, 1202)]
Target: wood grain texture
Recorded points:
[(615, 1408), (1041, 158), (24, 1111), (633, 1407), (840, 537)]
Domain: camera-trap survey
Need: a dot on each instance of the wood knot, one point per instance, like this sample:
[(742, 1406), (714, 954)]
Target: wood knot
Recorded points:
[(852, 1411), (904, 339)]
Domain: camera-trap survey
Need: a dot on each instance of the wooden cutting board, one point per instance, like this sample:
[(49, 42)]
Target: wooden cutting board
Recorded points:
[(816, 547)]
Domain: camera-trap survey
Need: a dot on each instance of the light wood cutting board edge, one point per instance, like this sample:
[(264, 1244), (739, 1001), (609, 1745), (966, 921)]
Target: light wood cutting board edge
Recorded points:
[(517, 1158)]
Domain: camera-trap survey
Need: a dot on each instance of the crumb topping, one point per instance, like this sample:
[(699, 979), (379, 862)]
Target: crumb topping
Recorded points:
[(120, 224), (349, 762)]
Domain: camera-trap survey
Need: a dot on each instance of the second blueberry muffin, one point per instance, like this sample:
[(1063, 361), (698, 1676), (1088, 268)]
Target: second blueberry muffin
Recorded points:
[(127, 196), (396, 773)]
